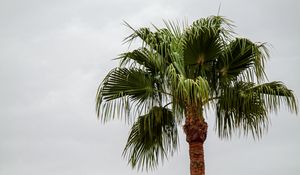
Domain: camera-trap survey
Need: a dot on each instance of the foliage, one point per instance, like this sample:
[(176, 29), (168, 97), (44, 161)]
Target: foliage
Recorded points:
[(204, 64)]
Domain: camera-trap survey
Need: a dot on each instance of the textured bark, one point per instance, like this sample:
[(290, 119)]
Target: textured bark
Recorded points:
[(195, 129), (197, 165)]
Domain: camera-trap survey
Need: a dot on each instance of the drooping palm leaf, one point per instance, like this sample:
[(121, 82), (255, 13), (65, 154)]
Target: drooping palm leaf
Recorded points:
[(153, 137), (122, 86), (187, 89), (244, 107), (240, 110), (274, 94)]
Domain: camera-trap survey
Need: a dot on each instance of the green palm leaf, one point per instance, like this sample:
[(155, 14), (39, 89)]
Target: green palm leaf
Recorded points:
[(274, 94), (202, 43), (152, 138), (159, 40), (240, 110), (244, 106), (122, 86), (143, 58), (243, 58)]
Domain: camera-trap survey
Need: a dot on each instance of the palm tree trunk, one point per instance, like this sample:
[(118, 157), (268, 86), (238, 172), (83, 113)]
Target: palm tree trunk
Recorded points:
[(195, 129)]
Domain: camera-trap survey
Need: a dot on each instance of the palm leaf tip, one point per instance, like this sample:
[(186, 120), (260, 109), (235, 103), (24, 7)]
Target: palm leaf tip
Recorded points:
[(274, 94)]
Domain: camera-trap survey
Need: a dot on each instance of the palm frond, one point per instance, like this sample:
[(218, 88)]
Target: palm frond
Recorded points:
[(201, 43), (192, 91), (175, 27), (186, 89), (274, 94), (243, 58), (121, 87), (143, 58), (159, 40), (241, 111), (244, 106), (152, 138)]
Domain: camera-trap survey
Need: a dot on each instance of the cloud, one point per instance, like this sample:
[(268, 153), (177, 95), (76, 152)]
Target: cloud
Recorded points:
[(54, 54)]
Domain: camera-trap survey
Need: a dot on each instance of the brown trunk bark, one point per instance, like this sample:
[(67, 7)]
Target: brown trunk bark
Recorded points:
[(195, 129), (197, 165)]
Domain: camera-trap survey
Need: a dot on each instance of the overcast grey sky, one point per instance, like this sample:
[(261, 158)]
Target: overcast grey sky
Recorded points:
[(53, 54)]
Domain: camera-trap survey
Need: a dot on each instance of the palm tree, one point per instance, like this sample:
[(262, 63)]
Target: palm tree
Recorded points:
[(175, 76)]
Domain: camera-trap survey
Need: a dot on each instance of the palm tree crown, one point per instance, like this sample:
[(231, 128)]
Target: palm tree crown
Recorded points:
[(195, 67)]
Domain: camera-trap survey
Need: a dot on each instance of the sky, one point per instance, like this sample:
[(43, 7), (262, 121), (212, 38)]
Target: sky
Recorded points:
[(54, 54)]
